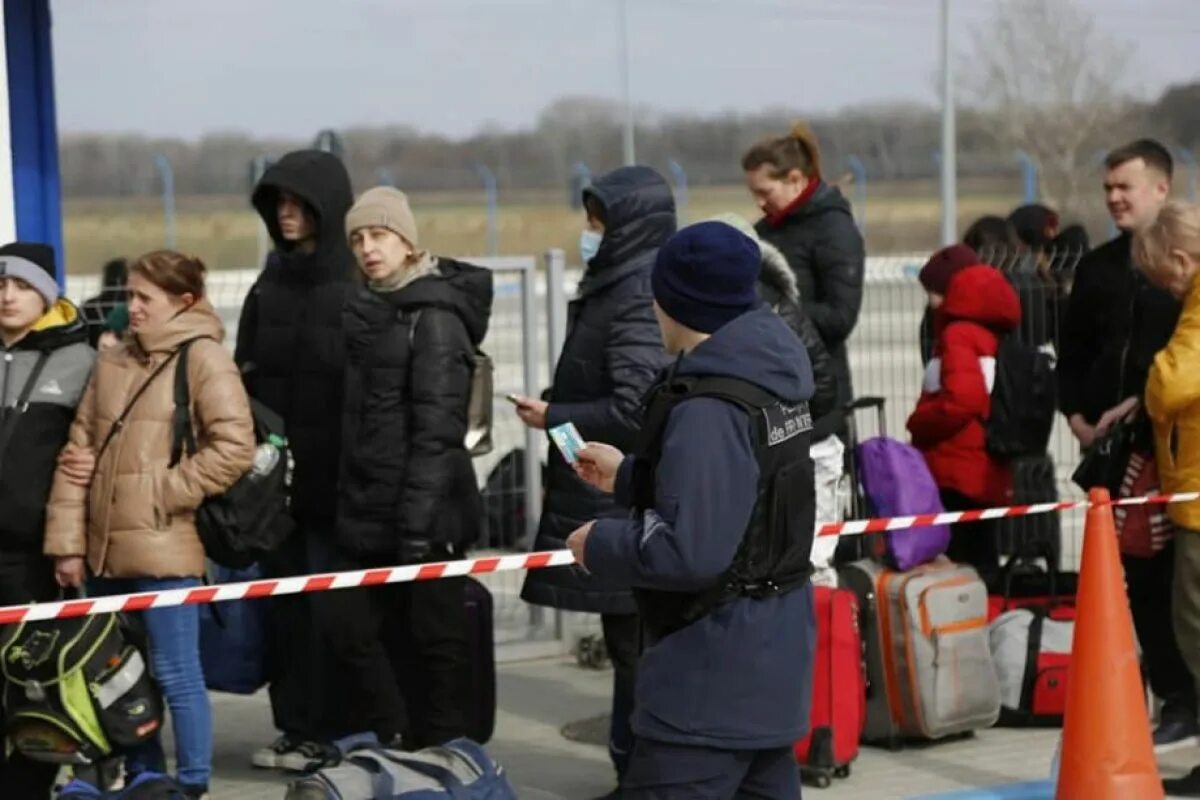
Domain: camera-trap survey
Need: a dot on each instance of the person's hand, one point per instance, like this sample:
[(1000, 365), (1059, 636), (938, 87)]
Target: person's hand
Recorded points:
[(598, 464), (1123, 411), (78, 464), (70, 571), (1086, 434), (532, 412), (577, 542)]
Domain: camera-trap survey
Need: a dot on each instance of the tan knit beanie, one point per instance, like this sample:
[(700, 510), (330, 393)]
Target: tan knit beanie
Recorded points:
[(383, 207)]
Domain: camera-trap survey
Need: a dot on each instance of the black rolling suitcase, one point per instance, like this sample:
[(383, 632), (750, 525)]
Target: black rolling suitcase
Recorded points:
[(481, 665), (1037, 535)]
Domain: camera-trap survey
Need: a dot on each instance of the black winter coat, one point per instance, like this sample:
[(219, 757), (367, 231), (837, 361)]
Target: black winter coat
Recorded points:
[(612, 353), (290, 343), (825, 250), (407, 481), (1116, 322), (777, 288)]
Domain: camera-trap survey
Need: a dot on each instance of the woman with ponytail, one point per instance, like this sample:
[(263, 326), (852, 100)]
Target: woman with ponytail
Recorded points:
[(810, 222)]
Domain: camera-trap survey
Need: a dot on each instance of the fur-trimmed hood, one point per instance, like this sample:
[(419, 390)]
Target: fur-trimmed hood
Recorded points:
[(776, 273)]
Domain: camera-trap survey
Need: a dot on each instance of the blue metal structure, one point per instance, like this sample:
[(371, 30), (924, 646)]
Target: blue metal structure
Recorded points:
[(33, 130), (166, 174), (489, 186)]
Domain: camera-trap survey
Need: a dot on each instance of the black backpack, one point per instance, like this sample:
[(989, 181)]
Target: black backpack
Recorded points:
[(77, 690), (251, 519), (1024, 400)]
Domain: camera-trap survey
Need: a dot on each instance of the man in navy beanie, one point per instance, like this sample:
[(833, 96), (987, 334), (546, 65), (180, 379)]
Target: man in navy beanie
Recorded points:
[(717, 547)]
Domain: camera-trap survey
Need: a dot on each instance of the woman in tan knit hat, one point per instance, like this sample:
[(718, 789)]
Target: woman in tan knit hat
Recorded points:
[(407, 492)]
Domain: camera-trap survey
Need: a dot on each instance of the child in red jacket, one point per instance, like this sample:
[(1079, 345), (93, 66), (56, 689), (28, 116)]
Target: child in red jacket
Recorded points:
[(974, 305)]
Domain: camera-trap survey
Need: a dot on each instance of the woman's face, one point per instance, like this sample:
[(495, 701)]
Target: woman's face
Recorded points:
[(150, 306), (772, 194), (381, 252)]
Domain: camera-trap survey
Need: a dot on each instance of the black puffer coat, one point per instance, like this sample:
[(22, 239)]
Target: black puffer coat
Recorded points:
[(777, 288), (407, 481), (611, 356), (825, 250), (290, 344)]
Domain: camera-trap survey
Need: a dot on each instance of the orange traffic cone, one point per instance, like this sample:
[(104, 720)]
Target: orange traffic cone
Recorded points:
[(1107, 753)]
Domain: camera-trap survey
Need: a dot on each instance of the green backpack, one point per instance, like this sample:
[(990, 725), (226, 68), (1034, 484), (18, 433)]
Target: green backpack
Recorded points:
[(76, 691)]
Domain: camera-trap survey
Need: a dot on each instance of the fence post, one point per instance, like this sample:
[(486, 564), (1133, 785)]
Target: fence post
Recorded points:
[(581, 178), (257, 167), (679, 175), (1189, 161), (556, 305), (859, 170), (1029, 177), (533, 438), (166, 174), (330, 141), (489, 187), (384, 177)]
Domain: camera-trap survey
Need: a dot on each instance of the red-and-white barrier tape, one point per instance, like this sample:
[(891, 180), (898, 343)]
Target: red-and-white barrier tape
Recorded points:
[(478, 566)]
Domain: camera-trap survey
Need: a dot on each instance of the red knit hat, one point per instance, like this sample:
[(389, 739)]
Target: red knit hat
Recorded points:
[(940, 268)]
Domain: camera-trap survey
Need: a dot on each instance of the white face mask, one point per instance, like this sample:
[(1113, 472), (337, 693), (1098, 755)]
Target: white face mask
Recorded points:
[(589, 244)]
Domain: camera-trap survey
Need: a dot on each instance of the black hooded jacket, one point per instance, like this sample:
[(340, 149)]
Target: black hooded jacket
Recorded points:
[(290, 344), (407, 480), (825, 250), (612, 354)]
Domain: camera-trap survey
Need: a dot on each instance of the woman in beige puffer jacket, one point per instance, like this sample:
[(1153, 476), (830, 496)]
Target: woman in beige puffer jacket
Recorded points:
[(118, 504)]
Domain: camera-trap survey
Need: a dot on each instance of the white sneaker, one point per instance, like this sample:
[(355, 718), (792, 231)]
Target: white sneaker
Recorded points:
[(271, 756)]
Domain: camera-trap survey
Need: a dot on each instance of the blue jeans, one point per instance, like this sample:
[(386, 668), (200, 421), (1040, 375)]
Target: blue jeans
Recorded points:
[(174, 635)]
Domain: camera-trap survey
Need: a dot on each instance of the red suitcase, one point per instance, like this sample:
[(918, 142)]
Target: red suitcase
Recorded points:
[(839, 708)]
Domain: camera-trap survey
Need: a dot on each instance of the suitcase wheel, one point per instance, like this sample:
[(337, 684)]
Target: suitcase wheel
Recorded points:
[(823, 780), (843, 772)]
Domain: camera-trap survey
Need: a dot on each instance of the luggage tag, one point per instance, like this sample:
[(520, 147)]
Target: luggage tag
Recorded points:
[(568, 441)]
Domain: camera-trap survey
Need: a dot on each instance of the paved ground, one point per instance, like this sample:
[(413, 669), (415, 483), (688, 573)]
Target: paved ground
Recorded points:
[(538, 697)]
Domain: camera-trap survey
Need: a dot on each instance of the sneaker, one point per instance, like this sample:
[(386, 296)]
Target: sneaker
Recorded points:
[(309, 757), (1187, 786), (271, 757), (195, 792), (1175, 733)]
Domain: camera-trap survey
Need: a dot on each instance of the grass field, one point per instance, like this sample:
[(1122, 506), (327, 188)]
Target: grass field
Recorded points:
[(225, 232)]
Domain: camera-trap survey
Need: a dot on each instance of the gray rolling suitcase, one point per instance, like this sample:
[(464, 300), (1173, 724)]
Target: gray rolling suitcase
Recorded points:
[(931, 674)]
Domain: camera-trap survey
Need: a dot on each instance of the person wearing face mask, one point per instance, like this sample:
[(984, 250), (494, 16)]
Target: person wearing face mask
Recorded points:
[(45, 367), (407, 492), (122, 512), (610, 357)]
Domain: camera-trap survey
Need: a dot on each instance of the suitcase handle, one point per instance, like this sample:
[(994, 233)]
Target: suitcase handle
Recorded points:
[(862, 403)]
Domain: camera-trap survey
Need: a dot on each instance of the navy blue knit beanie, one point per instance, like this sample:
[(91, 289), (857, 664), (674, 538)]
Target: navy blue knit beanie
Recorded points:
[(707, 275)]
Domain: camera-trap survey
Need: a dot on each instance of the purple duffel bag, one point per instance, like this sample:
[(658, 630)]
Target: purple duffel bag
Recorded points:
[(897, 482)]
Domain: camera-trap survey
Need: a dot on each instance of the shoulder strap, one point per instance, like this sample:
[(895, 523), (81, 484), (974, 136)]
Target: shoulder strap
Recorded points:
[(183, 438), (119, 422), (743, 393), (412, 319), (10, 417)]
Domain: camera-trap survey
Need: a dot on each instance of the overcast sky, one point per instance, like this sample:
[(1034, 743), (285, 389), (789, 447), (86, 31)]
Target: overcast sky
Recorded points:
[(291, 67)]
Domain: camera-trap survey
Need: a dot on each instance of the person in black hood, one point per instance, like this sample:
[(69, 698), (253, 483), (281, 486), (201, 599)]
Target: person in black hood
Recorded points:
[(811, 223), (46, 366), (408, 492), (610, 357), (291, 350)]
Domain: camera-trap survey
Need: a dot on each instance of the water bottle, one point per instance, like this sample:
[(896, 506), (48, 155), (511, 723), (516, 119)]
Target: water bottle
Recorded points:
[(266, 456)]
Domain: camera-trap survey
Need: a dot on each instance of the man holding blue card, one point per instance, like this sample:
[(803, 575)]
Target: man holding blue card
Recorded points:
[(717, 547)]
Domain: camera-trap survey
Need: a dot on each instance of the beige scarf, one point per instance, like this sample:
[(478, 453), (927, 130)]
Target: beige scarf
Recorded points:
[(425, 264)]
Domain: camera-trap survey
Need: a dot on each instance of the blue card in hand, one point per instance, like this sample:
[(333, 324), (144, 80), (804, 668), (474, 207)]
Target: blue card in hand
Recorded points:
[(568, 441)]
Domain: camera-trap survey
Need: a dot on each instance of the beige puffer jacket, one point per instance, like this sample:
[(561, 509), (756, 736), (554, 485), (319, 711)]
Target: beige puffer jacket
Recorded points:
[(138, 518)]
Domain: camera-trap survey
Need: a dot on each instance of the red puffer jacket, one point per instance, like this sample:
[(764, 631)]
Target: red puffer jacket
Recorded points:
[(949, 425)]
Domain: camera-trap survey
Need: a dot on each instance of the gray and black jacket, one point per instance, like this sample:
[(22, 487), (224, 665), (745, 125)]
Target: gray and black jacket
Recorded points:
[(32, 434)]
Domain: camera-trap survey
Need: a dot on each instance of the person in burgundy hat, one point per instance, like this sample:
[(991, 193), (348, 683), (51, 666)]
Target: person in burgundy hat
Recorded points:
[(974, 306)]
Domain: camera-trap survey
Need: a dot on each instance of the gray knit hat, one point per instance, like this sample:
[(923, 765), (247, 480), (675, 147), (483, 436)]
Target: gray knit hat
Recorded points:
[(33, 263), (383, 207)]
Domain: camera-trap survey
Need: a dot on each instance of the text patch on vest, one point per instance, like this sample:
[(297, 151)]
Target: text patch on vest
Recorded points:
[(786, 422)]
